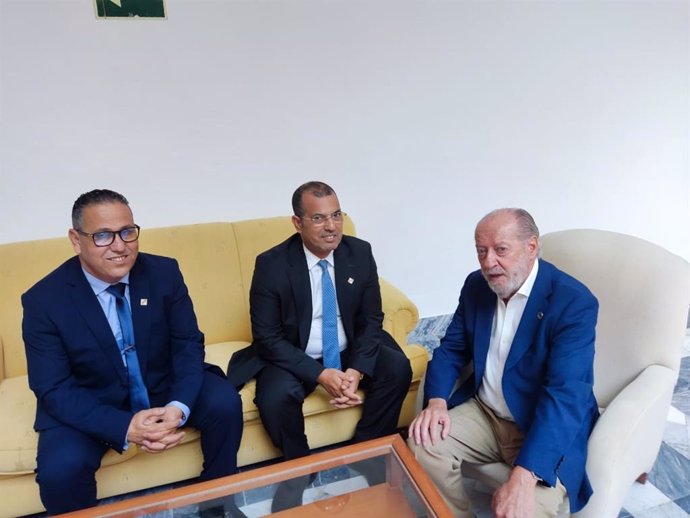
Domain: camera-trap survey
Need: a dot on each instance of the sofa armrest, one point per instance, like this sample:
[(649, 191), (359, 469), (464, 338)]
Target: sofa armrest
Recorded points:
[(626, 439), (400, 313)]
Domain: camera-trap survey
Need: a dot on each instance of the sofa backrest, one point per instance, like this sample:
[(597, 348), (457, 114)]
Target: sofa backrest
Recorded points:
[(208, 258), (21, 266), (257, 235), (216, 259), (643, 292)]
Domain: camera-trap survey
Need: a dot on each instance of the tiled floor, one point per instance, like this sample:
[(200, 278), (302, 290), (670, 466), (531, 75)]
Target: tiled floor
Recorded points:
[(667, 493)]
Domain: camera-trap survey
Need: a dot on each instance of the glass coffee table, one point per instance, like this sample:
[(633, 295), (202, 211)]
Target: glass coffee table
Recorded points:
[(377, 478)]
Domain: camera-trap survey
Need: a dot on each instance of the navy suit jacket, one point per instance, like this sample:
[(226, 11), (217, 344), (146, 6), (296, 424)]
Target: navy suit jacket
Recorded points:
[(74, 364), (281, 311), (548, 376)]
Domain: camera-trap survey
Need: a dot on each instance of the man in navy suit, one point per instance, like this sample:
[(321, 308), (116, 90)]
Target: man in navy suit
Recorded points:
[(287, 312), (80, 372), (528, 330)]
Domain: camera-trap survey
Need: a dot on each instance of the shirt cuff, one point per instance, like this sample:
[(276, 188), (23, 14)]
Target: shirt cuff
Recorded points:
[(183, 408)]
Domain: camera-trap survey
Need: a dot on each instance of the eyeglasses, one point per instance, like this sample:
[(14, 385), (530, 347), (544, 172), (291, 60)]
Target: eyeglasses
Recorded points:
[(106, 237), (320, 219)]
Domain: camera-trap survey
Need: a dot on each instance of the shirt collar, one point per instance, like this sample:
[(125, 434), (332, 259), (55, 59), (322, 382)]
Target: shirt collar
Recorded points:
[(97, 285), (313, 260)]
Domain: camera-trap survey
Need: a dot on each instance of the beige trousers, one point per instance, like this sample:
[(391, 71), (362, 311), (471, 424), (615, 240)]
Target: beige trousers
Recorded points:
[(478, 436)]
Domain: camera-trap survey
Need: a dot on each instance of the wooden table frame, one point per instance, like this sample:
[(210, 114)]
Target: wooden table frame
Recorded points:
[(273, 474)]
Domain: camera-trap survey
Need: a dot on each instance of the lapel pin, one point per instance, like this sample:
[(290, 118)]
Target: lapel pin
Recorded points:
[(540, 315), (350, 280), (144, 302)]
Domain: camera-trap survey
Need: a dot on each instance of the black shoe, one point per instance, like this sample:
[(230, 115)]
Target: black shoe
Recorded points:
[(212, 512), (373, 470), (289, 493)]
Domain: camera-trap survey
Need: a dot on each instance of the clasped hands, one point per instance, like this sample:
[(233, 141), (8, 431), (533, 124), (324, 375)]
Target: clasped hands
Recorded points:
[(342, 386), (156, 429)]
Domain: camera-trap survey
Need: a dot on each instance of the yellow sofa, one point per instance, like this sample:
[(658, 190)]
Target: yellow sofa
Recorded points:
[(217, 260)]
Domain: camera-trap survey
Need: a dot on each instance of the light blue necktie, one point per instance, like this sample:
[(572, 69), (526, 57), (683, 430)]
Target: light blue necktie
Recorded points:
[(331, 349), (137, 390)]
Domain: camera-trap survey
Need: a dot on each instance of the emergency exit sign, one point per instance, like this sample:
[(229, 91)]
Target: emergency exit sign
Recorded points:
[(130, 8)]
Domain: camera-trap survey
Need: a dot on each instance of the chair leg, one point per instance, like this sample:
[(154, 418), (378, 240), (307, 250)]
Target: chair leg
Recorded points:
[(642, 479)]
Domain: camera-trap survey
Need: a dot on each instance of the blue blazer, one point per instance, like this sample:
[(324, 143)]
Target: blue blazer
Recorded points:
[(74, 364), (548, 377)]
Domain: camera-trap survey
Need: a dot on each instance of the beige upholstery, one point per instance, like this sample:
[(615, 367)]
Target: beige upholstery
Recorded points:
[(217, 261), (644, 296)]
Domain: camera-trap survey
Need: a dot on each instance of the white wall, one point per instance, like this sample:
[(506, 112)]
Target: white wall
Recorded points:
[(423, 115)]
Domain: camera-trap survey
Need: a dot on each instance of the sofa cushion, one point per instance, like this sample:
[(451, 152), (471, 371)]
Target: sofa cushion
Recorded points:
[(219, 354), (17, 438)]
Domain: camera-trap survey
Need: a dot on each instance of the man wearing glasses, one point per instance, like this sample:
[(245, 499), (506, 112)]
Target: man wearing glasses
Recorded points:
[(115, 358), (315, 307)]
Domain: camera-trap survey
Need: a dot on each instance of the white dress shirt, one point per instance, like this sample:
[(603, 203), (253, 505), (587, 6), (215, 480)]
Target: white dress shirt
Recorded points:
[(506, 321), (315, 342)]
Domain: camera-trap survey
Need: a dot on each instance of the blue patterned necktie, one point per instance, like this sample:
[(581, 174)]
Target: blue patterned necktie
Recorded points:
[(331, 349), (137, 390)]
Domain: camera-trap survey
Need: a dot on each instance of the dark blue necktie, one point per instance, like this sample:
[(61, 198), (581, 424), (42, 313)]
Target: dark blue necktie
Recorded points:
[(137, 390), (331, 349)]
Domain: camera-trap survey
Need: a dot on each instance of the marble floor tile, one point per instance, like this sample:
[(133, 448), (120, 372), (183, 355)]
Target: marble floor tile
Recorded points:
[(683, 382), (642, 497), (257, 495), (669, 510), (685, 351), (675, 416), (677, 436), (684, 504), (681, 401), (670, 473), (429, 331)]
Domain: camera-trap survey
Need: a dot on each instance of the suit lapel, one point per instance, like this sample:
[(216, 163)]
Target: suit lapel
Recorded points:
[(298, 275), (537, 303), (140, 298), (485, 317), (91, 311), (345, 279)]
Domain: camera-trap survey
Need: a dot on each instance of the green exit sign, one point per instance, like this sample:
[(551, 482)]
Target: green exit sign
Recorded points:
[(130, 8)]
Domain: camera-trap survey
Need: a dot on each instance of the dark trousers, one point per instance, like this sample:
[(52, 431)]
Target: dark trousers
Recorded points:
[(280, 395), (68, 459)]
